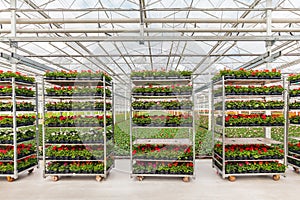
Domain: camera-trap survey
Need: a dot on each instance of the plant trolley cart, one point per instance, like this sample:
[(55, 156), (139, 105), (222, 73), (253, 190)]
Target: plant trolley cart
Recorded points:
[(162, 131), (254, 103), (77, 132), (18, 127), (293, 157)]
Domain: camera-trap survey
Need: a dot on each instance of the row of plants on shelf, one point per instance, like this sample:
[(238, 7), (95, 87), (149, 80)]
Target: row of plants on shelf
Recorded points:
[(162, 90), (76, 152), (78, 121), (295, 119), (78, 137), (80, 105), (25, 163), (163, 120), (160, 74), (22, 120), (249, 152), (254, 167), (89, 167), (78, 91), (294, 92), (252, 90), (20, 91), (248, 74), (7, 152), (74, 74), (294, 78), (159, 105), (147, 167), (7, 136), (250, 105), (294, 147), (294, 159), (7, 76), (163, 152), (252, 120), (20, 106)]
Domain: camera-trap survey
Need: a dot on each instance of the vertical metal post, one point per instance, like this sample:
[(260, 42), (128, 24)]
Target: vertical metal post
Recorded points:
[(210, 107), (223, 127), (44, 127), (193, 129), (13, 6), (130, 130), (37, 121), (104, 126), (269, 50), (286, 87)]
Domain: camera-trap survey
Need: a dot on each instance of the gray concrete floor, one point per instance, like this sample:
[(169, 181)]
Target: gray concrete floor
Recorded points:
[(207, 185)]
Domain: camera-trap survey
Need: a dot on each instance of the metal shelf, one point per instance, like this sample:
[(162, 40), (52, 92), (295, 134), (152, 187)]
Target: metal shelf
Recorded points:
[(162, 160), (295, 138), (247, 96), (161, 127), (17, 98), (160, 81), (249, 141), (77, 97), (78, 82), (248, 81), (161, 110), (164, 141), (164, 175), (17, 83), (74, 160), (161, 97)]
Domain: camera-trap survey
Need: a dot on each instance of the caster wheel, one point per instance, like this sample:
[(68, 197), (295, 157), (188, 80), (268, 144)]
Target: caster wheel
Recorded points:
[(30, 171), (139, 178), (296, 170), (231, 178), (276, 177), (10, 179), (186, 179), (99, 178), (55, 178)]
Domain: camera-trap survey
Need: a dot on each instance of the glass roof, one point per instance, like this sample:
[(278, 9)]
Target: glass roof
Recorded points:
[(118, 19)]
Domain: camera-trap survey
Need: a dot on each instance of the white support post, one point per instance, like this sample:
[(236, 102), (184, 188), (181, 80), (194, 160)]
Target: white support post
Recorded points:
[(268, 49)]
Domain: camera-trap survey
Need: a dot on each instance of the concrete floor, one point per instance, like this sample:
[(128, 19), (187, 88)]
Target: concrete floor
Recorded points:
[(207, 185)]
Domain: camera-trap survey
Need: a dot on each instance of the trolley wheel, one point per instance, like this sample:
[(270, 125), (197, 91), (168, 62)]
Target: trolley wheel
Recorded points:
[(55, 178), (231, 178), (99, 178), (276, 177), (139, 178), (186, 179), (30, 171), (10, 179), (296, 169)]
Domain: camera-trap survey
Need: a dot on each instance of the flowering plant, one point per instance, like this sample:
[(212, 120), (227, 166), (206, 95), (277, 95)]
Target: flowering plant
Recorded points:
[(6, 76), (251, 90), (77, 167), (253, 120), (160, 74), (252, 104), (77, 120), (249, 152), (72, 75), (253, 74), (254, 167)]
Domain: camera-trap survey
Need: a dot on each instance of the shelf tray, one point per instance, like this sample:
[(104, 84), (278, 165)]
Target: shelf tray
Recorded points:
[(164, 175), (157, 160), (17, 83), (161, 81), (76, 97), (295, 138), (17, 98), (249, 141), (78, 82), (239, 96), (164, 141), (161, 97)]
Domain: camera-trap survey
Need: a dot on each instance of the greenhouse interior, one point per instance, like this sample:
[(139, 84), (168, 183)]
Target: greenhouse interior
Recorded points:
[(147, 99)]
